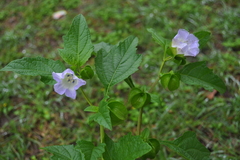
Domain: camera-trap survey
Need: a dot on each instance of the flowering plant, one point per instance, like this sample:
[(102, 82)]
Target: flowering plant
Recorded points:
[(114, 64)]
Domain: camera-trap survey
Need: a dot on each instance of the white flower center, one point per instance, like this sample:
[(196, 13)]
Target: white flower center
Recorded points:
[(68, 81)]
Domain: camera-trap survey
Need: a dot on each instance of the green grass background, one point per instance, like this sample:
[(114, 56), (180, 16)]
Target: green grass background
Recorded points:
[(32, 115)]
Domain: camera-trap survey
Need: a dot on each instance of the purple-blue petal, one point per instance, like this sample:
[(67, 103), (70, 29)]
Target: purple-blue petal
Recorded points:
[(182, 33), (58, 87), (191, 38), (67, 71), (194, 45), (80, 83), (180, 40), (194, 51), (190, 51), (71, 93), (57, 76), (178, 44)]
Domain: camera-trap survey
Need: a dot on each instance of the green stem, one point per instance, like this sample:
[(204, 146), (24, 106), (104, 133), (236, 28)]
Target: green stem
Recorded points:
[(159, 72), (86, 98), (101, 127), (101, 134), (139, 121)]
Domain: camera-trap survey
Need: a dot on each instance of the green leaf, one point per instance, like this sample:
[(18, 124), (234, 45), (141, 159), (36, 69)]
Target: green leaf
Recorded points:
[(37, 66), (89, 150), (102, 45), (65, 152), (77, 43), (188, 147), (159, 39), (102, 117), (120, 62), (48, 80), (91, 109), (128, 147), (200, 75), (203, 37)]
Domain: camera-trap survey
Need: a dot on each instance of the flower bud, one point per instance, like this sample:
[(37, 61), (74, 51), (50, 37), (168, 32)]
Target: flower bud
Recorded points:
[(87, 72), (118, 112)]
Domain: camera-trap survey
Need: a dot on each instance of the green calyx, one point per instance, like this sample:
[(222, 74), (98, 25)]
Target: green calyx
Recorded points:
[(154, 143), (138, 98), (118, 112), (87, 73), (179, 59), (170, 81)]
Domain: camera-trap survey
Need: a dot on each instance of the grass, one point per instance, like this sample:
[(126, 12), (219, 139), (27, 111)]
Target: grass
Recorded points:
[(33, 116)]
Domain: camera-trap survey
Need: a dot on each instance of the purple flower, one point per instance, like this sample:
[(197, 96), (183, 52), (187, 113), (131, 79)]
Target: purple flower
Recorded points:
[(186, 43), (67, 83)]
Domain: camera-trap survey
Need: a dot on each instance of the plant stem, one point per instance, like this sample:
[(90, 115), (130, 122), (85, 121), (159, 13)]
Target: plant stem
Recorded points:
[(139, 121), (86, 98), (159, 72), (101, 134), (101, 127)]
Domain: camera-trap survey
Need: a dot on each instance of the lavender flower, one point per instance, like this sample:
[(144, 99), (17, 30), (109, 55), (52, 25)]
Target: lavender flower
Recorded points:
[(186, 43), (67, 83)]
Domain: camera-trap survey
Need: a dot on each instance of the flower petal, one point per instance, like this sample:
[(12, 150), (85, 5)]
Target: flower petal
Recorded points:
[(180, 40), (79, 84), (190, 51), (180, 51), (57, 76), (177, 43), (59, 88), (193, 45), (182, 33), (191, 38), (67, 71), (71, 93), (194, 51)]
